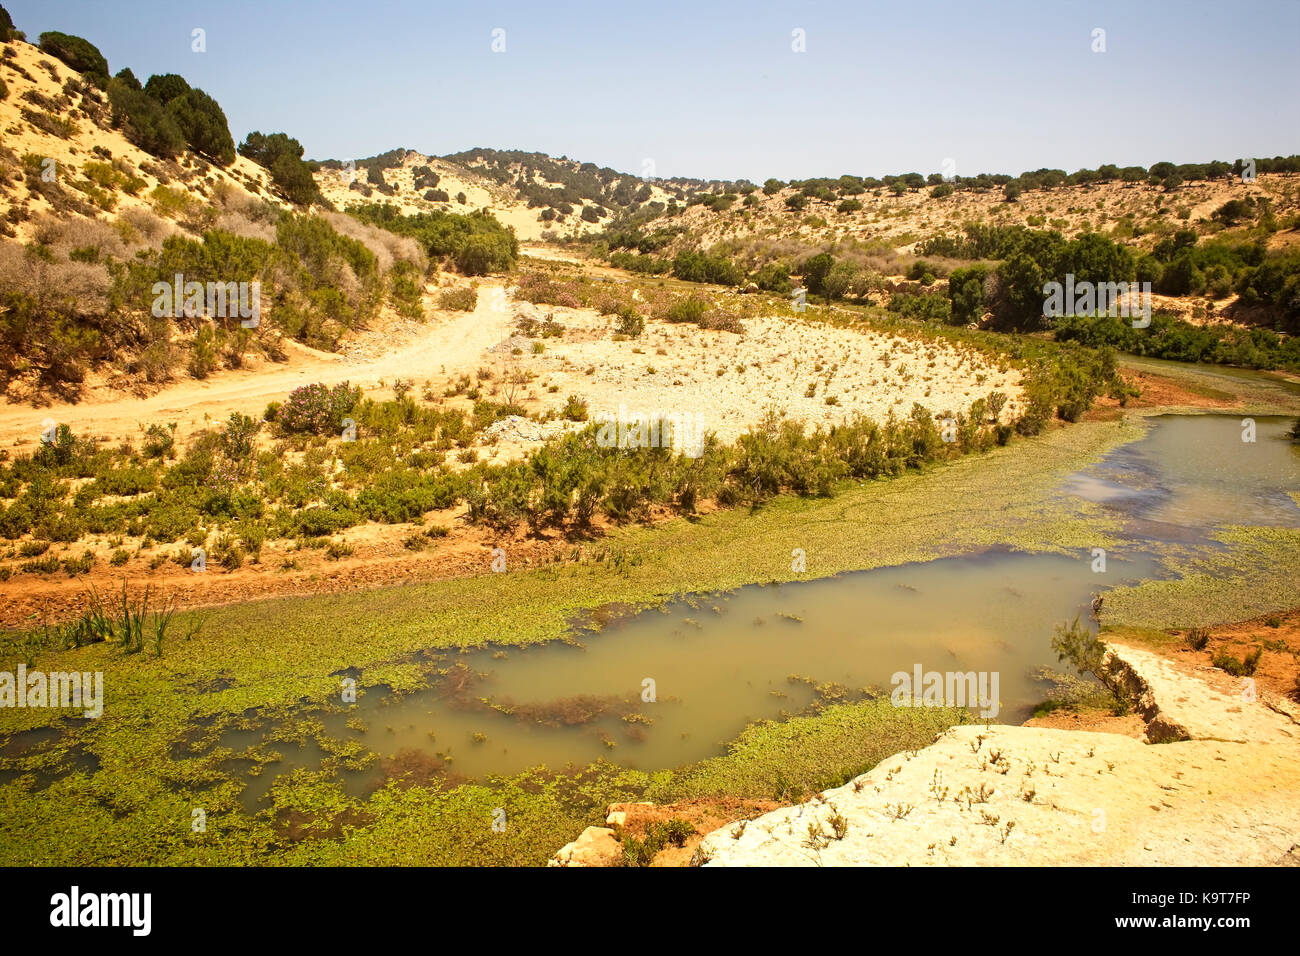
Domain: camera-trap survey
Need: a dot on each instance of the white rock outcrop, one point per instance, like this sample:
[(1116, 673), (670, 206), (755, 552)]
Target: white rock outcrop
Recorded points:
[(1225, 791)]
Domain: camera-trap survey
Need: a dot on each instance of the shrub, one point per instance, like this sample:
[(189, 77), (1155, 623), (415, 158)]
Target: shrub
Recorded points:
[(318, 409), (575, 409), (406, 290), (687, 310), (158, 441), (461, 299), (630, 323), (487, 252), (82, 55), (1237, 668), (694, 266)]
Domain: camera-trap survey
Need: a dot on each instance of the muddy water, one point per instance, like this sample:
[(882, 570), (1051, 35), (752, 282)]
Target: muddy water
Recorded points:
[(719, 661), (1191, 474)]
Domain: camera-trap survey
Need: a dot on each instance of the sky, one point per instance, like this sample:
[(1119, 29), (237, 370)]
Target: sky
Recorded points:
[(719, 90)]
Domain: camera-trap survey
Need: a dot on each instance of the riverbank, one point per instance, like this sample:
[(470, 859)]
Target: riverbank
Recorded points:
[(180, 729), (1146, 789)]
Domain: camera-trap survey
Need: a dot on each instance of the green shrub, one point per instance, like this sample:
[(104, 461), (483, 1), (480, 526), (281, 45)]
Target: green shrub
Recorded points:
[(477, 242), (1237, 668), (575, 409), (460, 299), (318, 409), (630, 323), (687, 310), (82, 55)]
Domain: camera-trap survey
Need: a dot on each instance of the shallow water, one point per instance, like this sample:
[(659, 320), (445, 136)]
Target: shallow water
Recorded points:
[(720, 661), (1196, 473)]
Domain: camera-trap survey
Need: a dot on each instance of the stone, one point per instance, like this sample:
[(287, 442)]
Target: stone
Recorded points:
[(595, 846)]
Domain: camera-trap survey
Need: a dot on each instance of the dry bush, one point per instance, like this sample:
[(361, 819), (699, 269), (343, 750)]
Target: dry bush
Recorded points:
[(83, 285), (244, 215), (144, 225), (64, 235), (387, 247)]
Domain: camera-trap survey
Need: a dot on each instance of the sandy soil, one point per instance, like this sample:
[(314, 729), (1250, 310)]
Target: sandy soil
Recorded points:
[(727, 382)]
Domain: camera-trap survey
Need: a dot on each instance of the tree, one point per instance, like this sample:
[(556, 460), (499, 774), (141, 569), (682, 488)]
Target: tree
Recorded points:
[(82, 55), (773, 186), (796, 202), (6, 25), (1076, 644), (127, 77), (166, 87), (839, 280), (281, 154), (204, 125), (293, 178), (1011, 191), (144, 121), (1020, 292), (942, 190), (966, 293), (814, 271)]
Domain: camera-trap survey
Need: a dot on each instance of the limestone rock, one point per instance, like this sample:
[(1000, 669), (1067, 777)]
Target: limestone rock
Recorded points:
[(1226, 791), (595, 846)]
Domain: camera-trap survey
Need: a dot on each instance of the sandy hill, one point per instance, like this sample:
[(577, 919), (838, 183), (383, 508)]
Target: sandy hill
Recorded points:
[(538, 196), (61, 155), (1138, 212)]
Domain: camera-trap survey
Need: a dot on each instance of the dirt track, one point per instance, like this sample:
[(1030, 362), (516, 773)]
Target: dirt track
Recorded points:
[(448, 343)]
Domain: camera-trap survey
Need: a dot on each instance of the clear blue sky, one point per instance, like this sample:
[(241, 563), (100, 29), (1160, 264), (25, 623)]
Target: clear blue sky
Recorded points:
[(714, 90)]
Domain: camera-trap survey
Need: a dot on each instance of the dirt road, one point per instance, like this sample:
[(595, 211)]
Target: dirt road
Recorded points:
[(447, 344)]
